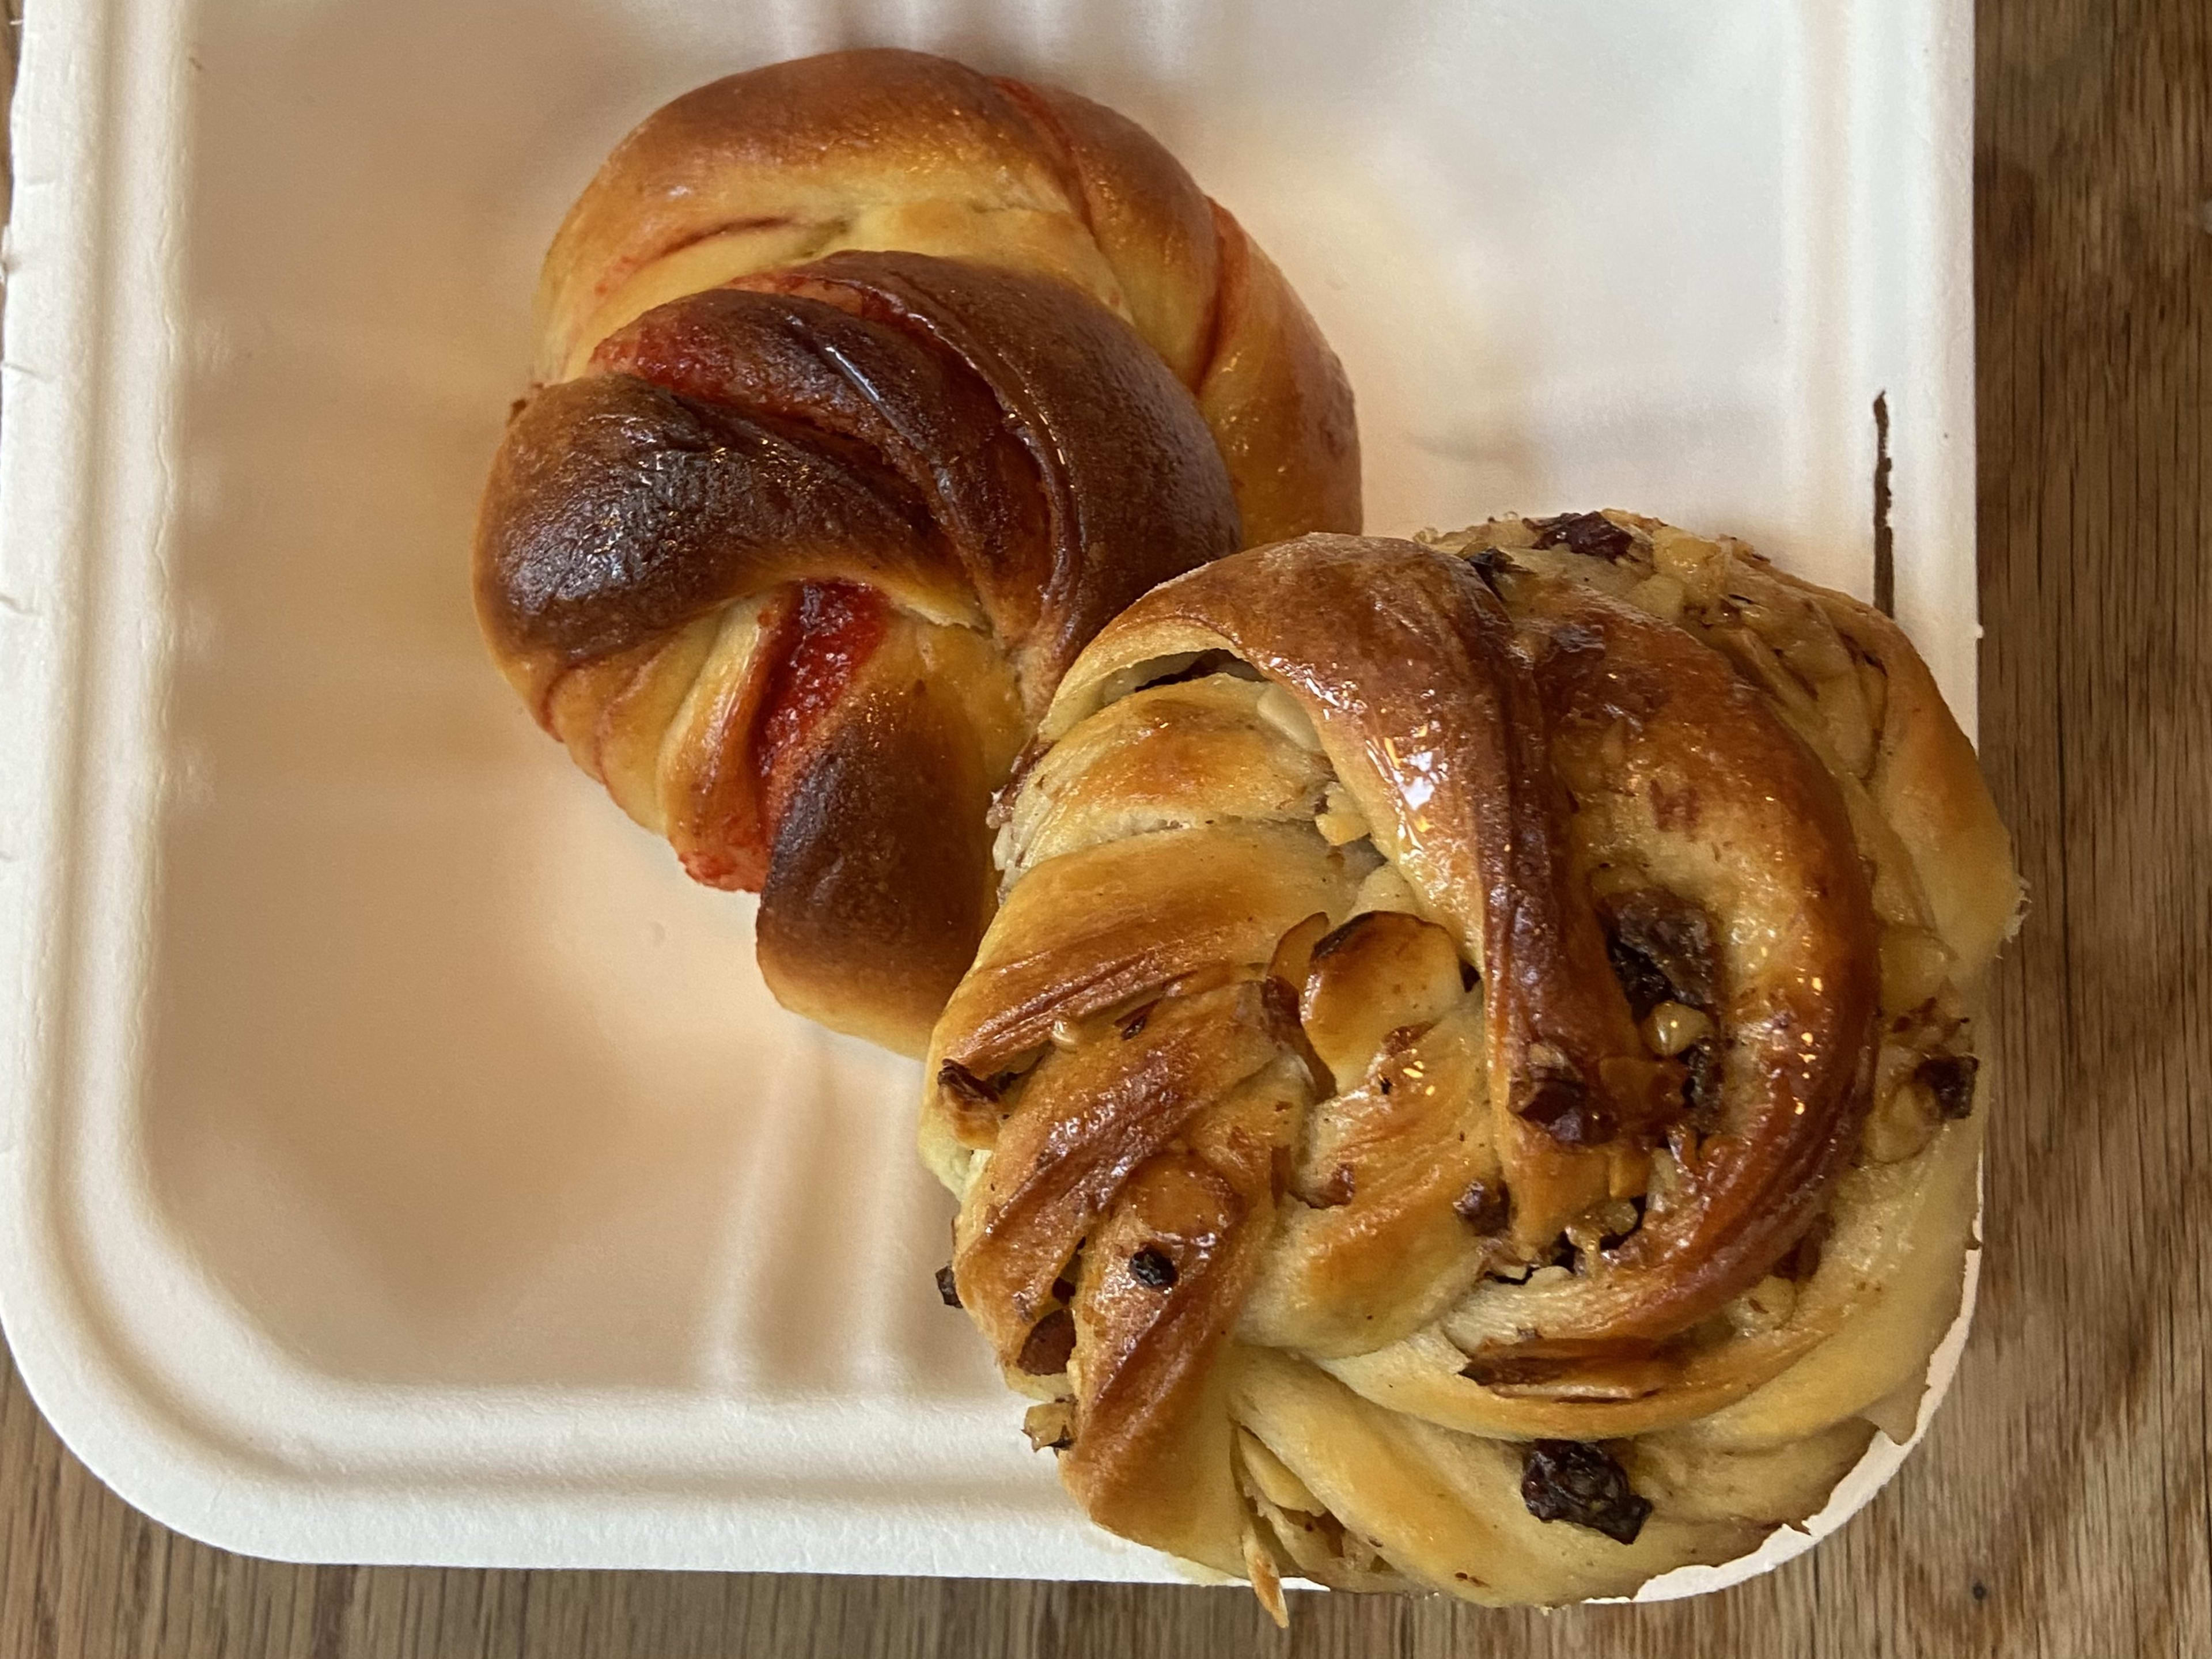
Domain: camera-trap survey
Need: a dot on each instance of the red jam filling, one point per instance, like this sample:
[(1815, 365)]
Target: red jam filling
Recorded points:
[(817, 639)]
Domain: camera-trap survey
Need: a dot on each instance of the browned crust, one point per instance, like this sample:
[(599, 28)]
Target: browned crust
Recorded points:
[(794, 142), (1130, 488), (1022, 420), (1080, 1131), (952, 436), (617, 512), (1152, 1458), (1514, 736), (1169, 1149), (1155, 227), (879, 885), (1804, 1043), (1278, 402), (1084, 934), (824, 347), (872, 317), (804, 146), (889, 419), (1407, 666), (1432, 712)]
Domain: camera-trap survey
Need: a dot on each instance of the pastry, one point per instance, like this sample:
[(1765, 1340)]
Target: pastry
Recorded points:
[(867, 388), (1471, 1083)]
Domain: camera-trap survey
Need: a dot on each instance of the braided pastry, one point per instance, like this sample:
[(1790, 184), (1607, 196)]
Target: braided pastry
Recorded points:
[(869, 389), (1469, 1085)]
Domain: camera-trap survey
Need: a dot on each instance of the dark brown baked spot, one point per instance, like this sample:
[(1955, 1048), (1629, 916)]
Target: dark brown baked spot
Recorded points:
[(947, 1289), (618, 510), (880, 883), (1512, 1370)]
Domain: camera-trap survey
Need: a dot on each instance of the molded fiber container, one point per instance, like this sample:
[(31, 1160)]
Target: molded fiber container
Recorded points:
[(401, 1160)]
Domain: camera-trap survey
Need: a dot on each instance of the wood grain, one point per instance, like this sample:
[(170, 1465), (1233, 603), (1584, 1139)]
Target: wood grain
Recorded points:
[(2060, 1507)]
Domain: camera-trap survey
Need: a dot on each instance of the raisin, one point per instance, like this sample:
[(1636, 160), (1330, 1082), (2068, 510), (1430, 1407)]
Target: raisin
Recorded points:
[(1950, 1078), (957, 1080), (945, 1286), (1663, 950), (1592, 534), (1573, 1481), (1152, 1267), (1563, 1109), (1701, 1091), (1642, 980), (1489, 563), (1050, 1341), (1484, 1207)]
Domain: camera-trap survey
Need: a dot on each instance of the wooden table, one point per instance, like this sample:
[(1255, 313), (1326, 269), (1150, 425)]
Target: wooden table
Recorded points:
[(2060, 1507)]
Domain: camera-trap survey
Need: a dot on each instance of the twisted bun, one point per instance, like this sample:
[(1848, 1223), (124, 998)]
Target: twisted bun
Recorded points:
[(871, 388), (1470, 1082)]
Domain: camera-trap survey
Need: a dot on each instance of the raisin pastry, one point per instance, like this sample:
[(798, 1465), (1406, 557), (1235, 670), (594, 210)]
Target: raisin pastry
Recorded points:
[(867, 389), (1470, 1085)]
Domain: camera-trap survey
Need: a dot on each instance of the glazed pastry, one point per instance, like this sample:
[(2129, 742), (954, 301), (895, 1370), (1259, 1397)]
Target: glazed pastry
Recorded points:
[(868, 388), (1471, 1084)]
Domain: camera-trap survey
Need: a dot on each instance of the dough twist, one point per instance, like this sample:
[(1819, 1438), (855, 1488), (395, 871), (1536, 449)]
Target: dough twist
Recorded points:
[(870, 388), (1470, 1080)]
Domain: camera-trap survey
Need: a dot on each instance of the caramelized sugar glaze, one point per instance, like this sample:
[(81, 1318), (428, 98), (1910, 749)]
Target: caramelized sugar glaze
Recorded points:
[(869, 388), (1470, 1082)]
